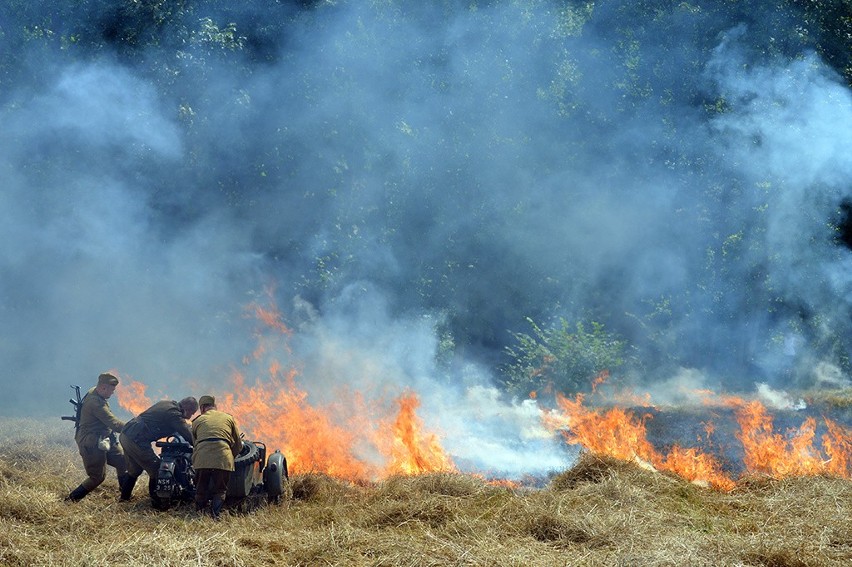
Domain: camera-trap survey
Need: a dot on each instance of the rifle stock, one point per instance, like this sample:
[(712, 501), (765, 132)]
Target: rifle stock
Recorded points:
[(78, 405)]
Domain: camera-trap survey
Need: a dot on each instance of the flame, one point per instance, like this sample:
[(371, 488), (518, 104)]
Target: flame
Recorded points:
[(795, 454), (361, 439), (131, 396), (414, 451), (502, 483), (352, 438), (278, 413), (318, 439), (837, 444), (696, 466), (602, 377), (619, 396), (614, 432), (271, 318), (619, 433)]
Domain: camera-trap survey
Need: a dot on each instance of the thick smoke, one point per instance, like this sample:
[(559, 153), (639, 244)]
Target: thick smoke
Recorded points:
[(147, 200)]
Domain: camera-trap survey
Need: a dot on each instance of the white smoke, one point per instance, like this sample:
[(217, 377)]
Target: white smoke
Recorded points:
[(828, 374), (778, 399), (376, 156)]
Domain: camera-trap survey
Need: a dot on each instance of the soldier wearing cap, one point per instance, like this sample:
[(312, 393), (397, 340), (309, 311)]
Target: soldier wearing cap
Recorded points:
[(95, 438), (164, 418), (217, 442)]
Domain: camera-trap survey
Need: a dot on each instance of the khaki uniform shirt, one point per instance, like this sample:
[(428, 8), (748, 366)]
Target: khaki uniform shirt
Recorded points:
[(217, 441), (96, 420)]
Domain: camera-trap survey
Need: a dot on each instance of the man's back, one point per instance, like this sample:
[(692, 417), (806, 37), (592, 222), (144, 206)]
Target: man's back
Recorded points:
[(160, 420), (217, 440)]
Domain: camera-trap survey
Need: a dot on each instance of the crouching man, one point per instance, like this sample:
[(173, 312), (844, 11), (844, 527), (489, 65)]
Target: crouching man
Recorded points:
[(217, 442), (160, 420), (95, 440)]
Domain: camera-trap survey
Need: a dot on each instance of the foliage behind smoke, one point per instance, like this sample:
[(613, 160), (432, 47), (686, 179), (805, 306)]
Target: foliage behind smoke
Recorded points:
[(674, 172)]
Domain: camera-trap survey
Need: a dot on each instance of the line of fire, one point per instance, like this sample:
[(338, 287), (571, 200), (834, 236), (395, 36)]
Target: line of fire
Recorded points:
[(732, 437)]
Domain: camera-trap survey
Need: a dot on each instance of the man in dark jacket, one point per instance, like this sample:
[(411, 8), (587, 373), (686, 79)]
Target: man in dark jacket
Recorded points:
[(95, 440), (217, 442), (160, 420)]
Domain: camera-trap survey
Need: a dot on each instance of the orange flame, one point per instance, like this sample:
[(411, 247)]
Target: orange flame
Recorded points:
[(362, 440), (837, 444), (413, 451), (602, 377), (619, 396), (773, 454), (277, 412), (618, 433), (350, 439), (271, 319), (131, 396), (322, 439), (502, 483), (696, 466), (614, 432)]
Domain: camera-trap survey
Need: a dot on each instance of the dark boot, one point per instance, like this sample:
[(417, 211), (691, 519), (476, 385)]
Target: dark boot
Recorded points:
[(126, 485), (77, 494), (216, 507)]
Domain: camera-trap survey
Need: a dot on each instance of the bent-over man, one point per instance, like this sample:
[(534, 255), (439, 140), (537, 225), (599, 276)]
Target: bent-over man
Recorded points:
[(95, 440), (164, 418), (217, 442)]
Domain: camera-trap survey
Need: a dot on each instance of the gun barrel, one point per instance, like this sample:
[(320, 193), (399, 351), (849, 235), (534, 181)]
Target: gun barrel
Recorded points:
[(69, 418)]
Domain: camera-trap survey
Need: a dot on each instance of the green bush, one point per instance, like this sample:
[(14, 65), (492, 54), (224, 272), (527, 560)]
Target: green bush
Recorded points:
[(562, 358)]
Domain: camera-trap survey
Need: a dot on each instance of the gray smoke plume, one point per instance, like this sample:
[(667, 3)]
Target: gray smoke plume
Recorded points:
[(400, 177)]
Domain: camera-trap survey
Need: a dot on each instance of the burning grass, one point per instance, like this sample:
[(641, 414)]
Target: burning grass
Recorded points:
[(603, 511)]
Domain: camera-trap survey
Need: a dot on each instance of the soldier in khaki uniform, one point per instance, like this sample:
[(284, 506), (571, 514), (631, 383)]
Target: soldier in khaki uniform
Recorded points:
[(217, 442), (94, 438), (160, 420)]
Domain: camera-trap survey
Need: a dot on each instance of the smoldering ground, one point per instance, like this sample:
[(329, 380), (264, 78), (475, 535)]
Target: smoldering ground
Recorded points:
[(400, 176)]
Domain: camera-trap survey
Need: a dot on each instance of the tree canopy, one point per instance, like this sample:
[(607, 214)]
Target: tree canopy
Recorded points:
[(621, 165)]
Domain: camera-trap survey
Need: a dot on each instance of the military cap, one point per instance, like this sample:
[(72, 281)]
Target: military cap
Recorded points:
[(107, 378), (207, 401)]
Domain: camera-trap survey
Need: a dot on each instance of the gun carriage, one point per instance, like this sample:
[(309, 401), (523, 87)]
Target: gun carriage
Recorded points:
[(257, 479)]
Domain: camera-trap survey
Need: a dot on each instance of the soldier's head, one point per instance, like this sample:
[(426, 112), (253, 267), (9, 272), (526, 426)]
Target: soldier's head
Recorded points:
[(106, 384), (206, 403), (188, 406)]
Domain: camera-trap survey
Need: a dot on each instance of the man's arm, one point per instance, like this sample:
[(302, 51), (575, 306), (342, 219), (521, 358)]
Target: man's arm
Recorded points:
[(181, 427), (238, 444), (102, 412)]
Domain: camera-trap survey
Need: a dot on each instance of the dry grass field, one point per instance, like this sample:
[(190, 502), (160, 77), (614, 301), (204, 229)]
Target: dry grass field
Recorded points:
[(600, 512)]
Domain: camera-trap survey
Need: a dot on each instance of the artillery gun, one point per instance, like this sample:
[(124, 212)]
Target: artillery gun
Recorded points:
[(257, 478), (175, 477)]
